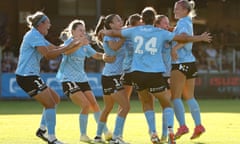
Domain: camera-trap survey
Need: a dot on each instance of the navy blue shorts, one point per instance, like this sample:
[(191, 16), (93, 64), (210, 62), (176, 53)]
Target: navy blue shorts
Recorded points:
[(73, 87), (111, 84), (154, 82), (126, 79), (32, 85), (188, 69)]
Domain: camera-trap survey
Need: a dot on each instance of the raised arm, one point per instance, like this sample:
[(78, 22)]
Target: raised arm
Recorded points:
[(104, 57), (83, 41), (52, 51), (183, 38), (113, 33)]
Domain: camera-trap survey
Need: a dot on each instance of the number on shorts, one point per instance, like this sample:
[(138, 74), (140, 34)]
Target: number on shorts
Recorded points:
[(72, 85)]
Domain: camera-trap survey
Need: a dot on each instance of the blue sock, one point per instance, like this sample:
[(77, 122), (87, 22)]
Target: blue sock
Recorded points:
[(119, 125), (150, 117), (100, 128), (169, 114), (43, 121), (83, 121), (50, 118), (96, 117), (168, 118), (195, 110), (179, 111), (164, 125)]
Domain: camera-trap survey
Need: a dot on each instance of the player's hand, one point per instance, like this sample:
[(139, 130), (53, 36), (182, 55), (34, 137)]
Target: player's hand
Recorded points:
[(108, 59), (76, 44), (206, 37)]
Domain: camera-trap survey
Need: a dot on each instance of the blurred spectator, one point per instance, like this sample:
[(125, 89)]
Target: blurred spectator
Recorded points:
[(212, 57), (54, 64), (9, 62), (200, 54)]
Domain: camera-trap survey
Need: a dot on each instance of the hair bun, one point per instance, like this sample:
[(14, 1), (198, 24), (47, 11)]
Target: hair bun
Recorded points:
[(192, 4)]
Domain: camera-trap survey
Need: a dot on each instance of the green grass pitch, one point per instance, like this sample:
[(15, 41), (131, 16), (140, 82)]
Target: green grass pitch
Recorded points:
[(20, 119)]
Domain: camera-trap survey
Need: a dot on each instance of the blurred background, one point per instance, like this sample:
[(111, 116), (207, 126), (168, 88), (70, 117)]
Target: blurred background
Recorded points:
[(218, 62)]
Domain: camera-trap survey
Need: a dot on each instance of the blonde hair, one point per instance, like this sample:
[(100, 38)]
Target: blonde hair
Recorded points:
[(189, 5)]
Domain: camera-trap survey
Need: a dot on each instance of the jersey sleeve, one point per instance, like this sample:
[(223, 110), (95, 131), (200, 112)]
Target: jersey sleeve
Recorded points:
[(37, 40), (169, 35), (127, 32), (89, 51)]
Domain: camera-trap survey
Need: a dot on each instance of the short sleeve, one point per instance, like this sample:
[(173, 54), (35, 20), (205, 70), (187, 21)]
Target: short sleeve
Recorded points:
[(37, 40), (89, 50)]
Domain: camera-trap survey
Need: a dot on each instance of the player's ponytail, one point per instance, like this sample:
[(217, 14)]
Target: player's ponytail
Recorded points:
[(99, 27), (192, 12), (36, 19)]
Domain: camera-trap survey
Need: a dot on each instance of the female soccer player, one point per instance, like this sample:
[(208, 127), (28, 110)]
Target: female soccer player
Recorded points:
[(133, 20), (74, 79), (34, 46), (162, 22), (184, 71), (112, 87)]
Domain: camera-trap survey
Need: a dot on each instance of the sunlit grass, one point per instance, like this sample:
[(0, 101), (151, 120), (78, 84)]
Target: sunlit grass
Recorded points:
[(19, 128)]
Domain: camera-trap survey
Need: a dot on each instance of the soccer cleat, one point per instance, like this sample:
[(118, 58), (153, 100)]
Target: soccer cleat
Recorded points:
[(108, 136), (117, 140), (181, 131), (171, 138), (85, 138), (55, 142), (42, 134), (163, 140), (155, 139), (198, 131), (98, 139)]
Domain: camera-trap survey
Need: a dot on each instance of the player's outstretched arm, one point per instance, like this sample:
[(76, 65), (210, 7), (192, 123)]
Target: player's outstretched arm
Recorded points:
[(183, 38)]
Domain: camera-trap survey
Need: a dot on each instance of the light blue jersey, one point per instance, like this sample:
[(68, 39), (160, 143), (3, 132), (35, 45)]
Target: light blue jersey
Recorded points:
[(166, 55), (115, 68), (72, 65), (184, 25), (127, 62), (148, 42), (29, 57)]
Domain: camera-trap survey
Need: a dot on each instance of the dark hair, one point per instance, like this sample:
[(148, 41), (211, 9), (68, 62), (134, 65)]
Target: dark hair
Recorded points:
[(133, 19), (35, 19), (66, 33), (148, 15), (104, 23)]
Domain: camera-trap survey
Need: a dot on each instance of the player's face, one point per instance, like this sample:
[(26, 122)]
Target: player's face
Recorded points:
[(179, 11), (79, 31), (116, 23), (44, 27), (164, 23)]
